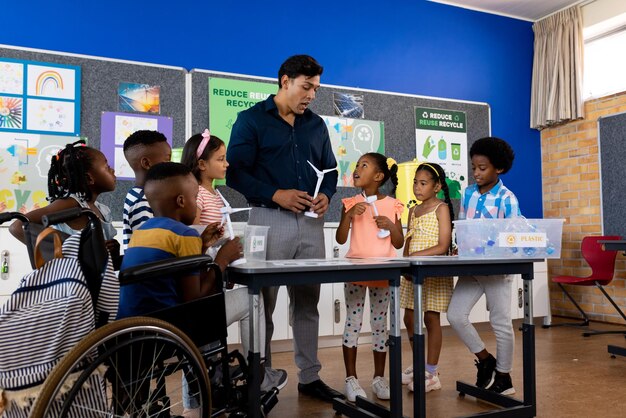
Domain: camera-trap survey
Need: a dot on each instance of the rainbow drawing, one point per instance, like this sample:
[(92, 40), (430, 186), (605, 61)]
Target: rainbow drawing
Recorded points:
[(48, 79)]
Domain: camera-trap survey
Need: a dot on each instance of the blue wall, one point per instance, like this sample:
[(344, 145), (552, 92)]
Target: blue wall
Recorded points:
[(415, 47)]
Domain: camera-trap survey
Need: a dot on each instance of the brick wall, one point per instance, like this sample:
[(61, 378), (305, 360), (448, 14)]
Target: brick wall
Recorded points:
[(571, 190)]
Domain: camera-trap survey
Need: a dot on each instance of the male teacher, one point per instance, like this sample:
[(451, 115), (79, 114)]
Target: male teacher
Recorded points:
[(268, 151)]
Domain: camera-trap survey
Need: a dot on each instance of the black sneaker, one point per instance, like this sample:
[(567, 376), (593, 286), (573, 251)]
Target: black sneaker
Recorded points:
[(502, 384), (486, 372)]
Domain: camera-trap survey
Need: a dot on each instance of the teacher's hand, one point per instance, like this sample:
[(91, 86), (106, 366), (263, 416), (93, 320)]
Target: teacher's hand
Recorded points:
[(292, 199), (320, 204)]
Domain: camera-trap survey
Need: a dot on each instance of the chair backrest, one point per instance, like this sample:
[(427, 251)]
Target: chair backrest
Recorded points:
[(602, 262)]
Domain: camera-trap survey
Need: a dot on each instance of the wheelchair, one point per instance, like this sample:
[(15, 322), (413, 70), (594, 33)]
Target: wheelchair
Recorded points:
[(143, 366)]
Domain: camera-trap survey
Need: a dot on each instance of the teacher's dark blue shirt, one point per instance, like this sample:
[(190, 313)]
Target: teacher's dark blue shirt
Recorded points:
[(266, 153)]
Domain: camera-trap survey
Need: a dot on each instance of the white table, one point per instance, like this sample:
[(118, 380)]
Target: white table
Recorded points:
[(437, 266), (259, 274)]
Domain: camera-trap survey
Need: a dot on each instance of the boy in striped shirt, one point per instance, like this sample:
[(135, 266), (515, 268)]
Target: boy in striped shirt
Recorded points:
[(488, 198), (142, 150)]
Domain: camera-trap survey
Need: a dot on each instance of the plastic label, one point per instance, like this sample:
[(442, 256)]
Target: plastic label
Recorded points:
[(257, 243), (522, 239)]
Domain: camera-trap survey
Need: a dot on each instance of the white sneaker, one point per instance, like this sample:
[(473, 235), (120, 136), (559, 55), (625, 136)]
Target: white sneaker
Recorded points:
[(407, 375), (353, 389), (380, 387), (432, 382)]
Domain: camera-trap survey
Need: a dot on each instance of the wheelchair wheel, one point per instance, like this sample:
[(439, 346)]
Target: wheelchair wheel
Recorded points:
[(133, 367)]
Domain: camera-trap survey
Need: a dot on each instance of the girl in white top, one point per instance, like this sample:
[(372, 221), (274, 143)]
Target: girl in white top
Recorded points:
[(205, 155)]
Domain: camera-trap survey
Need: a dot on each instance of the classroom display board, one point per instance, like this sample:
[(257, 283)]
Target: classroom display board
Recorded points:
[(363, 120), (99, 85), (38, 97), (109, 98), (612, 144)]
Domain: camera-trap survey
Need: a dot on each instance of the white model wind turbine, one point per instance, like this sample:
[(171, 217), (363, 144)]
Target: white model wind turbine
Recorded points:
[(226, 211), (382, 233), (320, 177)]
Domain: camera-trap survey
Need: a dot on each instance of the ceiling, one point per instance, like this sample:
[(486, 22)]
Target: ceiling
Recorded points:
[(531, 10)]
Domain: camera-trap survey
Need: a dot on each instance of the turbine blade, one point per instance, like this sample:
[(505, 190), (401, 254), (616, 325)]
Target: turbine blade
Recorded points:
[(239, 210), (222, 197), (314, 168)]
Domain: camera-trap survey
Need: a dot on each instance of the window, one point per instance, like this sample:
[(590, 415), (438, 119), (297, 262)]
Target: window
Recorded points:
[(604, 59)]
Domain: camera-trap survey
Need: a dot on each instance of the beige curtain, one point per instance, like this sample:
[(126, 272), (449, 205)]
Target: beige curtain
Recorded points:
[(557, 69)]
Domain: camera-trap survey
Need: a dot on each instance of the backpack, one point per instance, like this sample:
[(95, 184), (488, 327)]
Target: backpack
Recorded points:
[(53, 308)]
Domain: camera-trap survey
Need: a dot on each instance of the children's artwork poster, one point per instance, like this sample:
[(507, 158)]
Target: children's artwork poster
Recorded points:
[(11, 77), (24, 164), (49, 116), (348, 105), (116, 127), (350, 139), (228, 97), (441, 137), (38, 97), (134, 97), (11, 111)]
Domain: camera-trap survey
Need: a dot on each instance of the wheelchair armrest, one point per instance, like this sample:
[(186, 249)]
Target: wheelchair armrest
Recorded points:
[(9, 216), (171, 266)]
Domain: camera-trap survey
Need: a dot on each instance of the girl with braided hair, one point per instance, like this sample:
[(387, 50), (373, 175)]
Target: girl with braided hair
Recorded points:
[(429, 233), (78, 175)]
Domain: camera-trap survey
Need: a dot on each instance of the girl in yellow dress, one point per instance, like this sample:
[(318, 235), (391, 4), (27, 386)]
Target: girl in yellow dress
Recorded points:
[(429, 233)]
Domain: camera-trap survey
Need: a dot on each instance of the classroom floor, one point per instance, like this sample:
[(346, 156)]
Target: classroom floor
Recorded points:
[(576, 377)]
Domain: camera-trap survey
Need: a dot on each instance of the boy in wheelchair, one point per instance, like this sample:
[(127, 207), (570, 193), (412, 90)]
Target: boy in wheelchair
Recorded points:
[(171, 190)]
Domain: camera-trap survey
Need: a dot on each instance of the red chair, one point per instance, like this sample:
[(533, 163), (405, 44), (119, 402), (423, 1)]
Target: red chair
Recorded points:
[(602, 265)]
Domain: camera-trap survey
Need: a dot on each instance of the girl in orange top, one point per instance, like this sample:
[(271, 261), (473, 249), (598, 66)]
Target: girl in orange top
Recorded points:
[(371, 172)]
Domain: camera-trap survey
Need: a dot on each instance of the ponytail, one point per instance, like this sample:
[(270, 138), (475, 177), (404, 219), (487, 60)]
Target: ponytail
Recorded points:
[(387, 166)]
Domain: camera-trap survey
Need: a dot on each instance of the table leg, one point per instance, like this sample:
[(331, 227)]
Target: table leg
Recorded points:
[(528, 335), (254, 358), (395, 353), (419, 359)]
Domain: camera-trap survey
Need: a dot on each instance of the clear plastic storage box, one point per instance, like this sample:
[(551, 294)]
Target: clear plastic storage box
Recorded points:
[(510, 237)]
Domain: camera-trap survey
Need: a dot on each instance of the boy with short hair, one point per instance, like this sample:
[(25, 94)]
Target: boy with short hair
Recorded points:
[(488, 198), (142, 150), (171, 191)]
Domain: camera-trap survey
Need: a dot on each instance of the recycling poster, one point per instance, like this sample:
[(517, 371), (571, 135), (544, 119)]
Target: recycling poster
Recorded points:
[(228, 97), (441, 137)]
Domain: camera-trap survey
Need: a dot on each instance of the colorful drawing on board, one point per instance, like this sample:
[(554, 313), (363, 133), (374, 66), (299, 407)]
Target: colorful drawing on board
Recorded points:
[(121, 165), (50, 116), (11, 112), (135, 97), (51, 82), (127, 124), (24, 164), (116, 127), (48, 83), (351, 138), (11, 77)]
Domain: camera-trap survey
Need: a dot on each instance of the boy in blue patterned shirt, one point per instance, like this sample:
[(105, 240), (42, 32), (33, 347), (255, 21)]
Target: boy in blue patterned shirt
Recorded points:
[(488, 198)]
